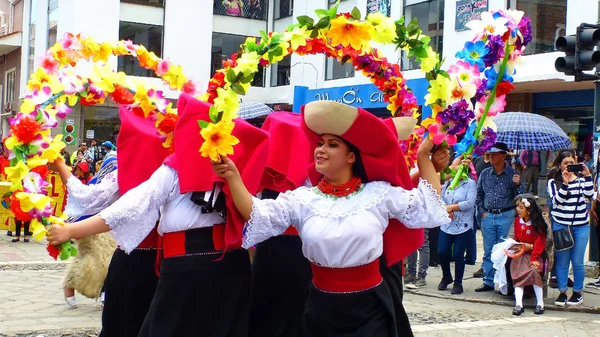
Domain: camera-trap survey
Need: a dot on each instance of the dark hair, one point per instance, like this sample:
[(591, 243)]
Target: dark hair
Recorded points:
[(358, 169), (536, 217), (555, 172)]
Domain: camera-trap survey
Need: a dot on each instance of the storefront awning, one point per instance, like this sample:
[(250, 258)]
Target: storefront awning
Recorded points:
[(10, 43)]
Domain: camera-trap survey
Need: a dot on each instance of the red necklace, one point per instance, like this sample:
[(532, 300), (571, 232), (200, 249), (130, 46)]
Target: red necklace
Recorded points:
[(340, 190)]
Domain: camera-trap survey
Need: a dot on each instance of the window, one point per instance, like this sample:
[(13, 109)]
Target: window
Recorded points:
[(52, 22), (225, 45), (280, 72), (32, 24), (157, 3), (250, 9), (150, 36), (431, 21), (335, 70), (10, 79), (284, 8), (548, 22)]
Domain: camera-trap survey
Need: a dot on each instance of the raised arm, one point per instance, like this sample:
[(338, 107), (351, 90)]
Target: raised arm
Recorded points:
[(239, 193), (426, 169)]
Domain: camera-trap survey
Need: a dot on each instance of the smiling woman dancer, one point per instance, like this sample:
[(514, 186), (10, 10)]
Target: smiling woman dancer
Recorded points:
[(342, 220)]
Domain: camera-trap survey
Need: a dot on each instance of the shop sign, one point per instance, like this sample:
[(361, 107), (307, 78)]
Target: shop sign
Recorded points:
[(70, 132), (467, 10), (383, 6), (89, 134), (353, 96)]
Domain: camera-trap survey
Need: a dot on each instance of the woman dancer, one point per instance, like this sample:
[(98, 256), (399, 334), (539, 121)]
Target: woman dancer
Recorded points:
[(342, 220)]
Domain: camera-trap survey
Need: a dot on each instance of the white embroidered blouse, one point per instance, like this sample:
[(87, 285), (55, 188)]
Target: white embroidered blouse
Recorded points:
[(348, 231), (91, 199)]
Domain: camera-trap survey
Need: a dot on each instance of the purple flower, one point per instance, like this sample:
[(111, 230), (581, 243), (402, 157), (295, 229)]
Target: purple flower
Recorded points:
[(525, 30), (496, 52), (488, 139), (482, 90), (456, 117), (367, 62)]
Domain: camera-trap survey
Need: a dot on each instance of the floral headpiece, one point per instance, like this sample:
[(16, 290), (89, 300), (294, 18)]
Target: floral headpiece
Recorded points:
[(526, 202)]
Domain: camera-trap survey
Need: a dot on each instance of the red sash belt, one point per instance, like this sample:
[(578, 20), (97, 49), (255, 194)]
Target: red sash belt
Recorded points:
[(291, 231), (151, 241), (341, 280)]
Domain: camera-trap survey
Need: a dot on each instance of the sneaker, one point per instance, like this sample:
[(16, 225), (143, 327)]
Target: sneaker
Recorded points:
[(518, 310), (594, 285), (538, 310), (444, 284), (576, 299), (479, 273), (409, 279), (71, 301), (420, 283), (561, 301), (410, 285), (553, 283), (8, 233), (457, 289)]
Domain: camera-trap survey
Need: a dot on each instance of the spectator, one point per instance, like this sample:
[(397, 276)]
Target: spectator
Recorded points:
[(66, 156), (496, 189), (82, 172), (530, 161), (109, 149), (569, 208), (457, 235), (595, 211), (414, 280), (587, 161), (18, 226), (525, 270)]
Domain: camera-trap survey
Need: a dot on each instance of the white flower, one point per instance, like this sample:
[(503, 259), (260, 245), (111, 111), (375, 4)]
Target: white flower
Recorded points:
[(488, 24)]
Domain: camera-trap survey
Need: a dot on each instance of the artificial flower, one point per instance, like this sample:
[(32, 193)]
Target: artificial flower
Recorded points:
[(15, 207), (11, 141), (350, 33), (247, 64), (26, 129), (165, 123), (147, 59), (30, 201), (297, 37), (34, 183), (503, 88), (384, 27), (49, 64), (465, 73), (104, 51), (162, 67), (461, 91), (438, 136), (175, 77), (429, 63), (439, 90), (228, 103), (496, 51), (191, 88), (474, 52), (487, 140), (218, 140), (53, 251), (525, 33), (40, 77), (36, 161), (492, 78), (53, 150), (497, 106), (16, 174), (122, 95), (488, 24)]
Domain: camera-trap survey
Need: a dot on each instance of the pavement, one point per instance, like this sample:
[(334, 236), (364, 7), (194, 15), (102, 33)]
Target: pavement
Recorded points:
[(32, 304)]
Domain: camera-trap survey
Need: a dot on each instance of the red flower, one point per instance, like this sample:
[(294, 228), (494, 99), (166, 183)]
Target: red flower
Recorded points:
[(167, 125), (504, 88), (15, 207), (122, 95), (53, 251), (26, 129), (41, 170), (138, 111), (347, 15)]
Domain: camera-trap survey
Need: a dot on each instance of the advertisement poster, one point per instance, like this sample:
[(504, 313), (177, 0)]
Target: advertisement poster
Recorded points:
[(69, 132), (383, 6), (467, 10), (250, 9)]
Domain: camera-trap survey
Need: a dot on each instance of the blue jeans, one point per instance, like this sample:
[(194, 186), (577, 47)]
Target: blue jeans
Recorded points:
[(574, 255), (495, 228), (423, 255), (460, 242)]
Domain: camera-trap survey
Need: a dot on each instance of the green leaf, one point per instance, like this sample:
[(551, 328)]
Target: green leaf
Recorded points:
[(321, 13), (355, 14), (314, 33), (400, 21), (32, 149), (421, 52), (202, 124), (231, 76), (239, 77), (444, 73), (248, 78), (238, 89), (264, 35), (426, 39), (323, 23), (413, 27), (306, 20), (213, 114)]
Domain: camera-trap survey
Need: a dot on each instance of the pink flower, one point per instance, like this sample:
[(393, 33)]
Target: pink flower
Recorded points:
[(43, 95), (34, 183), (69, 40), (465, 73), (71, 84), (497, 106), (49, 64), (439, 136), (163, 67), (130, 46), (190, 88), (62, 110)]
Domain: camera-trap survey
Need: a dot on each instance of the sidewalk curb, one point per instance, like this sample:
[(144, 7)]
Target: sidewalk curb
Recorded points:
[(552, 307), (33, 265)]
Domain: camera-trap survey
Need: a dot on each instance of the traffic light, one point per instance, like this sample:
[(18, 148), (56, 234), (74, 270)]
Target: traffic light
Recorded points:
[(580, 53)]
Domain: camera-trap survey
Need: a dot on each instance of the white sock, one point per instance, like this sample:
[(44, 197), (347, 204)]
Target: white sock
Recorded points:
[(539, 295), (519, 296)]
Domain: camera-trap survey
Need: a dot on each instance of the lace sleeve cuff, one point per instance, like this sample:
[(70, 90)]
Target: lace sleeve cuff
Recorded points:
[(269, 218), (425, 208), (90, 199)]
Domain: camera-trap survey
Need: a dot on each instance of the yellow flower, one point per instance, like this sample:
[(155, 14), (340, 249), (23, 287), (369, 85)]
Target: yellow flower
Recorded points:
[(227, 101), (439, 90), (350, 33), (39, 231), (30, 201), (28, 105), (16, 174), (142, 99), (36, 161), (218, 140), (459, 91), (175, 77), (385, 29), (11, 142), (105, 78), (53, 151), (429, 63), (247, 63), (104, 51), (297, 37), (41, 77)]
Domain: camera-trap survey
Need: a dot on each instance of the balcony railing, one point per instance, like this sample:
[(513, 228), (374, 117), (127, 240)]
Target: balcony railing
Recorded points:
[(155, 3), (250, 9)]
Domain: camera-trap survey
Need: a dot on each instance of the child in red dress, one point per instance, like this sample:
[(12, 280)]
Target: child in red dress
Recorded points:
[(525, 270)]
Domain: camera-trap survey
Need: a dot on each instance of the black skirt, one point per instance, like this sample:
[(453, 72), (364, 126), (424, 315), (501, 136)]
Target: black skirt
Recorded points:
[(393, 277), (280, 277), (201, 295), (368, 313), (130, 285)]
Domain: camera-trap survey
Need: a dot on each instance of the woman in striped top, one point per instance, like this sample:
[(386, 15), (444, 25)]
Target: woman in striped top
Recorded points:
[(569, 193)]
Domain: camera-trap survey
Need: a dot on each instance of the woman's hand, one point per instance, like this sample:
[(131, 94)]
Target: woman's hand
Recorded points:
[(58, 234), (57, 165), (568, 177), (440, 159), (225, 168), (536, 264), (425, 148), (585, 171)]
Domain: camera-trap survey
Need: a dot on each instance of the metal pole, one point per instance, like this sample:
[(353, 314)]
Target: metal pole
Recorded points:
[(593, 237)]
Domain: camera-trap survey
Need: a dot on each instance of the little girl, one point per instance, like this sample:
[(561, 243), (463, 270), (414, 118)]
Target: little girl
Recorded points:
[(525, 270)]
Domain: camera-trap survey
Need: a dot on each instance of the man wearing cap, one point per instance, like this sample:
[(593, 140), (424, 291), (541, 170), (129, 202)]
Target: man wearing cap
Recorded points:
[(496, 189), (110, 149)]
